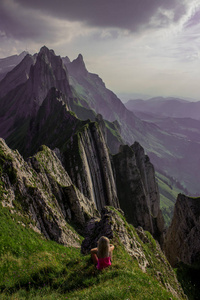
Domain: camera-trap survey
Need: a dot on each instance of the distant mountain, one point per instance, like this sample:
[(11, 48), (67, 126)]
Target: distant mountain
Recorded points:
[(166, 107), (181, 127), (8, 63), (127, 96), (86, 94), (18, 75)]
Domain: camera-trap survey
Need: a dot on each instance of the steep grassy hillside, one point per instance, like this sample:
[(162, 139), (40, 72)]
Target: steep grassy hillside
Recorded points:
[(168, 194), (35, 268)]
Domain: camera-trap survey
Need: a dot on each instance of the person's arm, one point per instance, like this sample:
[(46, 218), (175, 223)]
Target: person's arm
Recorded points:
[(94, 251)]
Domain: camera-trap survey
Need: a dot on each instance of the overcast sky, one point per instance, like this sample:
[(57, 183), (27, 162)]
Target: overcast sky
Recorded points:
[(136, 46)]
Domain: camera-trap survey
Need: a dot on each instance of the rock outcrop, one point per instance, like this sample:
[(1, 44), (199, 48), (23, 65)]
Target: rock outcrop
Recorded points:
[(137, 189), (53, 125), (182, 241), (48, 72), (111, 132), (42, 191), (113, 225), (110, 225), (88, 162)]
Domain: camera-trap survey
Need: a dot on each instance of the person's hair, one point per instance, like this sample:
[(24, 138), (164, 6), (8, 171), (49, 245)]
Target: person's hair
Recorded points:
[(103, 247)]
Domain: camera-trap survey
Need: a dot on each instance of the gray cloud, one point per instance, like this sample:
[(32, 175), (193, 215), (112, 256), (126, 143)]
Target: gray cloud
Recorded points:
[(132, 15), (20, 22)]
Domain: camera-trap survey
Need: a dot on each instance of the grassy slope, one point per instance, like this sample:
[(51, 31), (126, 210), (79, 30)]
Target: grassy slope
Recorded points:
[(168, 194), (34, 268)]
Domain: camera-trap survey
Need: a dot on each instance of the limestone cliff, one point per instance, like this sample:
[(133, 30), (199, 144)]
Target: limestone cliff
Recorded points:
[(42, 191), (137, 189), (182, 239), (111, 133), (88, 163)]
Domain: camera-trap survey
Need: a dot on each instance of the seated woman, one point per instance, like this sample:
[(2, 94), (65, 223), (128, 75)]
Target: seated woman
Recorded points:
[(102, 255)]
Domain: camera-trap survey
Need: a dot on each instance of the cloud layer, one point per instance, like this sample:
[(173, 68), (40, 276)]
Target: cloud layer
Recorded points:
[(25, 19), (134, 45)]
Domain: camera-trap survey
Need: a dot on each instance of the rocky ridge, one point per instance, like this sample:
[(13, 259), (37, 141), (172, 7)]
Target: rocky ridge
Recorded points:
[(42, 190), (182, 238), (88, 163), (137, 189), (26, 94)]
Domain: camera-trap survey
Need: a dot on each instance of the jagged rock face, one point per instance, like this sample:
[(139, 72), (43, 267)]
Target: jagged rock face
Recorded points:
[(77, 66), (182, 241), (88, 163), (147, 172), (48, 72), (111, 133), (44, 192), (24, 100), (52, 126), (137, 189)]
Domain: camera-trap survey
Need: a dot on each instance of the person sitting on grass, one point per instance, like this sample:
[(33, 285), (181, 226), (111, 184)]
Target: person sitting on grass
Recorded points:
[(102, 255)]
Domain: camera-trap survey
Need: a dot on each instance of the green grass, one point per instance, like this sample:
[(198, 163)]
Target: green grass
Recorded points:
[(32, 267), (168, 195)]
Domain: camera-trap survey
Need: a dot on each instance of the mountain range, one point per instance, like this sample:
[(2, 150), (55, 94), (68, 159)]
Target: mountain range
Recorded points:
[(72, 156), (166, 107), (86, 95)]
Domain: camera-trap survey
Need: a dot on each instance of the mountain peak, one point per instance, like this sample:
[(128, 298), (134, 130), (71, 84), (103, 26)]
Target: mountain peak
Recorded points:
[(79, 62), (80, 57), (66, 60), (46, 50), (77, 66)]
